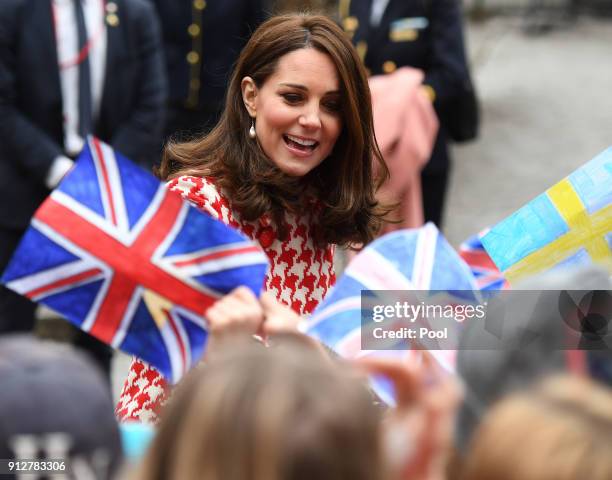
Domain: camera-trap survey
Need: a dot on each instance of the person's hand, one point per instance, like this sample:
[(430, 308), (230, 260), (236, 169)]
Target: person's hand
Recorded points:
[(279, 318), (281, 322), (240, 315), (237, 314), (418, 433)]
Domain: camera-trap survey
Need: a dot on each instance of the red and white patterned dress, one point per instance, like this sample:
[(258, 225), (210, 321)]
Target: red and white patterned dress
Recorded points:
[(300, 274)]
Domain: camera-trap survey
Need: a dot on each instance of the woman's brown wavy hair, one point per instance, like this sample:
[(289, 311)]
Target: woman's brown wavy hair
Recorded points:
[(344, 184)]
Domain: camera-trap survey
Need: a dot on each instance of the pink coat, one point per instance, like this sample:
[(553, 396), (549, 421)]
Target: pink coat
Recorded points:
[(406, 126)]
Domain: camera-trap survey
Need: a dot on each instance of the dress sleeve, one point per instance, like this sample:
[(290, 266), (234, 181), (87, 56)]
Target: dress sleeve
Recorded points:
[(203, 193)]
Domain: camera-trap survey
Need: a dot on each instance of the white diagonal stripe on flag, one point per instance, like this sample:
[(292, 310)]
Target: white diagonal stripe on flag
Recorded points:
[(89, 215), (127, 318), (43, 279), (191, 257), (111, 191), (177, 345), (234, 261), (164, 245), (148, 215), (424, 257), (108, 157), (346, 304), (375, 272)]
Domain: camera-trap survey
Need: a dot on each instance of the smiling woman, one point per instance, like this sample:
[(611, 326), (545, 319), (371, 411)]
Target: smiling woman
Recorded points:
[(290, 164), (298, 76)]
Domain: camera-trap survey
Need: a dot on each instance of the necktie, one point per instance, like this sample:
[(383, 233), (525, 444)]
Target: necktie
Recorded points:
[(85, 103)]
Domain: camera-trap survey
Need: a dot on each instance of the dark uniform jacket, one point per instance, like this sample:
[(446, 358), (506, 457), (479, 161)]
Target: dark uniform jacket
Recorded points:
[(202, 40), (31, 127), (425, 34)]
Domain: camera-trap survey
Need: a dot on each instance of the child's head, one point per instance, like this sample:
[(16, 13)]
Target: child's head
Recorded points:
[(282, 413), (55, 404), (559, 431)]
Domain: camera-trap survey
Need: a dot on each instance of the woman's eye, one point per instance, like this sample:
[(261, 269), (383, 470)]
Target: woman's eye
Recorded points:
[(332, 106), (292, 97)]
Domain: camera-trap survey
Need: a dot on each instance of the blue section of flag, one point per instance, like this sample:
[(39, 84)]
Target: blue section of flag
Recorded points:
[(336, 317), (197, 336), (76, 302), (580, 258), (486, 273), (334, 329), (81, 184), (144, 340), (350, 287), (457, 278), (191, 237), (593, 182), (143, 188), (227, 280), (42, 254), (473, 242), (525, 231), (498, 284), (397, 248)]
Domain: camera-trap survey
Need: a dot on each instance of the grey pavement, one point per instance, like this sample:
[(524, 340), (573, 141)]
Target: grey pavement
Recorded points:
[(547, 109)]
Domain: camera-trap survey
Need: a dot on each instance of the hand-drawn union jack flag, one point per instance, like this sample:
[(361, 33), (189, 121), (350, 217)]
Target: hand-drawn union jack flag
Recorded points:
[(409, 260), (131, 262)]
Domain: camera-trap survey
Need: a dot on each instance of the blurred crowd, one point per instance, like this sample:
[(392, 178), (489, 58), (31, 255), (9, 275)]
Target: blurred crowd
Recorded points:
[(279, 406)]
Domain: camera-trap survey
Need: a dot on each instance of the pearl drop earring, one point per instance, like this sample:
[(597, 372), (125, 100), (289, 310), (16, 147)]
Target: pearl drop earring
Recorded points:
[(252, 132)]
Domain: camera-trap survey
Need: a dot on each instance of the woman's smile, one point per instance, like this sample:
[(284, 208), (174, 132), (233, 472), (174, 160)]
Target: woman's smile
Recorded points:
[(300, 146)]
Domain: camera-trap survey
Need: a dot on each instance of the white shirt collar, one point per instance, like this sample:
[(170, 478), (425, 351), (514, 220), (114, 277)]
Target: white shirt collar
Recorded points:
[(377, 12)]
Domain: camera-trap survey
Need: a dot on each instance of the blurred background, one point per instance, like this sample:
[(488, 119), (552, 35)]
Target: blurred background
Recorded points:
[(543, 79)]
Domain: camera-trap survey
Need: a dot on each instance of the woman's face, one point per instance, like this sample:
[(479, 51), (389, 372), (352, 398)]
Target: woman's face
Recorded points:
[(297, 111)]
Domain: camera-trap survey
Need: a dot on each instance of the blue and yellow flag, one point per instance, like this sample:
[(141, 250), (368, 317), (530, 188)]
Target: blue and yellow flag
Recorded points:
[(568, 225)]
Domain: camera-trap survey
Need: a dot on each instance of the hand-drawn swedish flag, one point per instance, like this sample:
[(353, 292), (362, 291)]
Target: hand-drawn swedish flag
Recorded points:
[(568, 225)]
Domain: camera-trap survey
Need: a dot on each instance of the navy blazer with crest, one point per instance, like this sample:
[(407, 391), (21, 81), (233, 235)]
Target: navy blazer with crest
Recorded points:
[(223, 29), (202, 41), (424, 34), (131, 113)]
